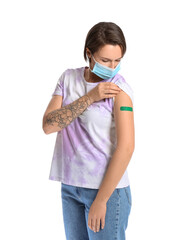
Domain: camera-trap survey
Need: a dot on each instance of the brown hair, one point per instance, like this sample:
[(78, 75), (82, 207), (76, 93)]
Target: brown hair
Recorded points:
[(104, 33)]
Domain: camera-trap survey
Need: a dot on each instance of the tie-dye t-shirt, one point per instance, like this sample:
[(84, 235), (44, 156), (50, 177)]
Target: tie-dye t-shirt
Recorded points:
[(84, 148)]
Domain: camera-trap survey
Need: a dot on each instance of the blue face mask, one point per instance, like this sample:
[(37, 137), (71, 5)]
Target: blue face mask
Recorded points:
[(103, 71)]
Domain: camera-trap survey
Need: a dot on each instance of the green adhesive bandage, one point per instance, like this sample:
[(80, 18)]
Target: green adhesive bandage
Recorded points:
[(126, 108)]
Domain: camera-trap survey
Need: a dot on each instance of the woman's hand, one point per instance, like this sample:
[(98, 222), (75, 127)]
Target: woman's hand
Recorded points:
[(104, 90), (96, 214)]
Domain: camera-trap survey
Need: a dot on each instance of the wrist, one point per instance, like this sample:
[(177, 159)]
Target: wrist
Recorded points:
[(101, 199), (90, 98)]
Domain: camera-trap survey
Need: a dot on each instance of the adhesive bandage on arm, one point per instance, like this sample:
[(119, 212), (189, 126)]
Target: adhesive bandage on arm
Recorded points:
[(124, 108)]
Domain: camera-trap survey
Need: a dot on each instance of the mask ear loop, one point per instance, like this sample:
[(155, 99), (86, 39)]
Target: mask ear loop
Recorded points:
[(90, 61)]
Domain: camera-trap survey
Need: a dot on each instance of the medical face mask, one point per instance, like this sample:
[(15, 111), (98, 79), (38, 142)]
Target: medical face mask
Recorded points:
[(104, 71)]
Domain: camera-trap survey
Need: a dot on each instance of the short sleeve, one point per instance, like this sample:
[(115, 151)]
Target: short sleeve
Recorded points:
[(121, 82), (59, 89)]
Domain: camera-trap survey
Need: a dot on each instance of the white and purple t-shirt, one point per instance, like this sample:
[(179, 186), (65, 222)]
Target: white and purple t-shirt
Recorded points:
[(84, 148)]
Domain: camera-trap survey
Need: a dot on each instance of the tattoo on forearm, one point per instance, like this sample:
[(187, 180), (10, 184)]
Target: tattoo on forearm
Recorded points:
[(65, 115)]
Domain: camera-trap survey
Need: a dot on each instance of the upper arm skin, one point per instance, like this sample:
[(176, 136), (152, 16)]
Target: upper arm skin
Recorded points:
[(124, 122), (55, 103)]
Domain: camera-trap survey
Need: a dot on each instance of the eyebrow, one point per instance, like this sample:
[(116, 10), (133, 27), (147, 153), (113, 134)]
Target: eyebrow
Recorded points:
[(111, 59)]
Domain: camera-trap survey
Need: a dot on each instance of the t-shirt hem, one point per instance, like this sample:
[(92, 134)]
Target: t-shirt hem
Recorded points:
[(57, 93), (59, 179)]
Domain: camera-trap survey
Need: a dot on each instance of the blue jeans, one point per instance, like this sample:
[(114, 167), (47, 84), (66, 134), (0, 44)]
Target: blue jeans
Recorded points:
[(76, 203)]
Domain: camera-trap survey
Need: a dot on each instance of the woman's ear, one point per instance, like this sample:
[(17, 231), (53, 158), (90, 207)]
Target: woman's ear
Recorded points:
[(88, 53)]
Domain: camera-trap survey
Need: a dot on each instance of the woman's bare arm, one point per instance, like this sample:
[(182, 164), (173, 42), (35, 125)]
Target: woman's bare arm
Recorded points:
[(58, 119)]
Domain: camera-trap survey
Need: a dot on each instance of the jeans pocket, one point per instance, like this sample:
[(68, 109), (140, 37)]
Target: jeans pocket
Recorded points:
[(128, 194)]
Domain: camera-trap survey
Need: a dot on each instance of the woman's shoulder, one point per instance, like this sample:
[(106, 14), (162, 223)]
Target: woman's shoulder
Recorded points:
[(121, 82), (74, 70), (119, 79)]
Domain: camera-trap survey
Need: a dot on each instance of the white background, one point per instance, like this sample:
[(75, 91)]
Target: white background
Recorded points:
[(41, 39)]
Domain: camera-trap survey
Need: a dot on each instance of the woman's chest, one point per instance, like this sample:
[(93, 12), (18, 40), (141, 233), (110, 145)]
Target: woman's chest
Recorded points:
[(100, 113)]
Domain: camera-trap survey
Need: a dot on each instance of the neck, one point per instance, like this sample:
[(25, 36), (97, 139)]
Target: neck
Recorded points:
[(91, 77)]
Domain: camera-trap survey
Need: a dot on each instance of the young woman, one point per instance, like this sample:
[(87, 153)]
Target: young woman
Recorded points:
[(92, 112)]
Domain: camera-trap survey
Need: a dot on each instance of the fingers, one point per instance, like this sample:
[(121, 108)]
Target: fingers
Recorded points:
[(91, 224), (115, 86), (102, 223), (95, 225), (110, 85)]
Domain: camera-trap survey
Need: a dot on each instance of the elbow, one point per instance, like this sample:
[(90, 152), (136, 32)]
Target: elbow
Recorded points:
[(48, 129), (127, 149), (131, 149), (45, 130), (45, 127)]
